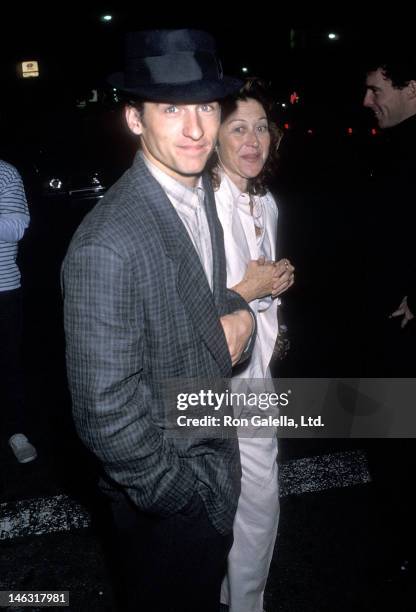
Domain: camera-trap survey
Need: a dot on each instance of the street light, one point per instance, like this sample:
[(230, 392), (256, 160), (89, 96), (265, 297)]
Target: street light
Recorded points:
[(106, 18), (244, 69), (333, 36)]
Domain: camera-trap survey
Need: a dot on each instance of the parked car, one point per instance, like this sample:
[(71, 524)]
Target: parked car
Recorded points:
[(67, 155)]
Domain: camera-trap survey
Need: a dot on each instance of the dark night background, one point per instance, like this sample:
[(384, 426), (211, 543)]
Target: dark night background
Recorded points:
[(76, 50), (45, 133)]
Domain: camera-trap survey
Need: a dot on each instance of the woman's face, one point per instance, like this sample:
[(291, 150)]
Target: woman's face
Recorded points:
[(244, 142)]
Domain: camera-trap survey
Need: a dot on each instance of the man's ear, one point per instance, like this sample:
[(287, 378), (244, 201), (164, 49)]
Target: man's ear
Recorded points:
[(133, 120)]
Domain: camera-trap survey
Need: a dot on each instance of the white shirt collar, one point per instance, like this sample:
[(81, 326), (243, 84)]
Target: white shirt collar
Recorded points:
[(175, 189), (240, 198)]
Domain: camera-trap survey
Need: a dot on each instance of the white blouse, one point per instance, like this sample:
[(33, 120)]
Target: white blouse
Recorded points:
[(242, 245)]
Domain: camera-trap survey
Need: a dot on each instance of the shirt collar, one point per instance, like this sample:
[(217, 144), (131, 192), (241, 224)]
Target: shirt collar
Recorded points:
[(174, 189), (239, 197)]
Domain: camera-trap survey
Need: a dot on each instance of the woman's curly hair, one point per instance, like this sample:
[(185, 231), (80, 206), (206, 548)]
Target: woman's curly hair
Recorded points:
[(253, 89)]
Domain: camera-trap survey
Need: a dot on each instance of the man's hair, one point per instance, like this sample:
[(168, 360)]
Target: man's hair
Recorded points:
[(399, 66), (135, 103), (253, 89)]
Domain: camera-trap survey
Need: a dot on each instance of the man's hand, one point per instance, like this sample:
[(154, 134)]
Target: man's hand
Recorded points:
[(403, 311), (238, 327)]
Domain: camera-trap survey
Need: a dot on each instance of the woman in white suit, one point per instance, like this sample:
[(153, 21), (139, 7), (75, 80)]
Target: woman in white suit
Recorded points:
[(247, 146)]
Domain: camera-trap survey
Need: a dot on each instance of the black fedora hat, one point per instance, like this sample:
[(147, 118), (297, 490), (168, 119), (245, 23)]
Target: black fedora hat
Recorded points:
[(173, 66)]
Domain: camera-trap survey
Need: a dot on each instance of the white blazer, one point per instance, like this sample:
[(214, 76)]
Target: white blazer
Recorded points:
[(241, 246)]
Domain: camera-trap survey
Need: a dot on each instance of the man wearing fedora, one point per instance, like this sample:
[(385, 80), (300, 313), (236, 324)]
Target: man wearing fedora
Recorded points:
[(146, 301)]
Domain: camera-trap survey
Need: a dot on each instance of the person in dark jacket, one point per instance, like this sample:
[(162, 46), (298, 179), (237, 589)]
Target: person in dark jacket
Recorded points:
[(390, 271), (391, 96)]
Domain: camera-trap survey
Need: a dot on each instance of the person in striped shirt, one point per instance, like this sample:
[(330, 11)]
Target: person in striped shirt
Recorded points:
[(14, 219)]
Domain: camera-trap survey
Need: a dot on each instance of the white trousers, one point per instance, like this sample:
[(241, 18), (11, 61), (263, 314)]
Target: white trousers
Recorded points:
[(255, 526)]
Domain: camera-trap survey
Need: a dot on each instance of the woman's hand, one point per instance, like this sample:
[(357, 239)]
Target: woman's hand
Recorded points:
[(284, 277), (265, 278)]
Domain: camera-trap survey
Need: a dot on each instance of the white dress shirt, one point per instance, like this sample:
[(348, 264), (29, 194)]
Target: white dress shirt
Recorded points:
[(189, 203)]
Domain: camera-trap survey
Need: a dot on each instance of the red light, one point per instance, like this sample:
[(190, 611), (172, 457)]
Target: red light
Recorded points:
[(349, 131), (373, 132), (286, 126), (294, 98)]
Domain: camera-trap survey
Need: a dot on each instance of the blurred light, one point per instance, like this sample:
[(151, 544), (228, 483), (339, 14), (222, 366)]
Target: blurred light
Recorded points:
[(284, 105), (106, 18), (114, 89), (310, 132), (333, 36), (95, 180), (349, 130), (29, 69), (55, 184), (244, 69), (294, 98), (286, 126), (373, 132)]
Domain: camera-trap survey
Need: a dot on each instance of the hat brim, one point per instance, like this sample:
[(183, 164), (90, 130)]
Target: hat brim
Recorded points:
[(192, 92)]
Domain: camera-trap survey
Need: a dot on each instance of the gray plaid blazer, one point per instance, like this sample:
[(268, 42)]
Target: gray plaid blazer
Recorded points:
[(138, 310)]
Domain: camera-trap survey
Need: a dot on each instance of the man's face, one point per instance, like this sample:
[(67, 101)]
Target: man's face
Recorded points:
[(389, 104), (178, 138)]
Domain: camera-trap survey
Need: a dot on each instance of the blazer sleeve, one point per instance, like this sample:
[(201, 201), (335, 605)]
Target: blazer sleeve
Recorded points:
[(111, 407)]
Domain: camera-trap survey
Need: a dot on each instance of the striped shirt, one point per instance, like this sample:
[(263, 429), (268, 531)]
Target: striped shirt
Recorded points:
[(14, 219)]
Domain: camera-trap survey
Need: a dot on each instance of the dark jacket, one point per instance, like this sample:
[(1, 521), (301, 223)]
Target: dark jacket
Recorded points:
[(391, 215)]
